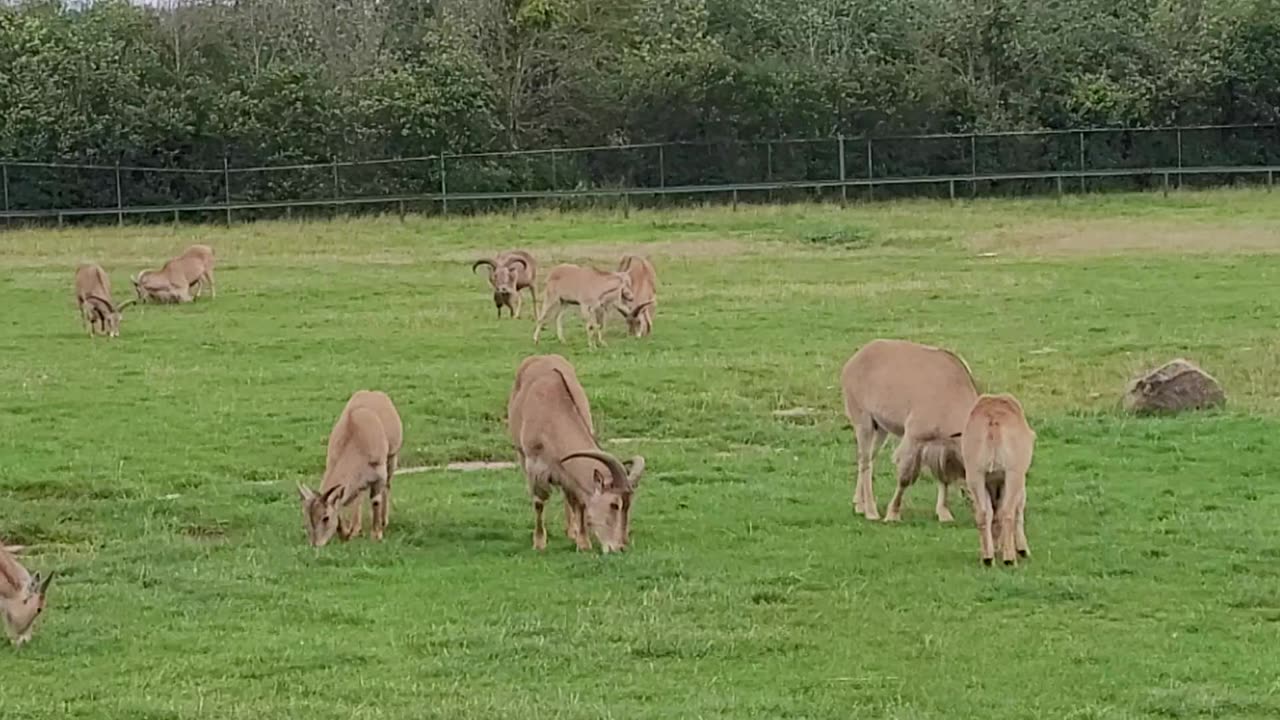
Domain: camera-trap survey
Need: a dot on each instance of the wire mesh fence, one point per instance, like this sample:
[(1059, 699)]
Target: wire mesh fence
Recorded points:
[(837, 168)]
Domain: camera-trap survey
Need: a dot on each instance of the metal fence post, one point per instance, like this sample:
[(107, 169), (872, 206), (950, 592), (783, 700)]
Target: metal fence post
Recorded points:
[(4, 173), (554, 184), (973, 165), (336, 192), (662, 166), (871, 174), (1179, 158), (1081, 161), (226, 187), (119, 198), (444, 188), (844, 189), (768, 166)]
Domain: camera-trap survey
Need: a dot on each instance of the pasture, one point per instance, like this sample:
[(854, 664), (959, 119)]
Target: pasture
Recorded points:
[(156, 472)]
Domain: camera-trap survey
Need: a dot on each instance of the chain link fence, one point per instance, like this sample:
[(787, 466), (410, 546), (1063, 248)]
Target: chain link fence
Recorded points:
[(839, 168)]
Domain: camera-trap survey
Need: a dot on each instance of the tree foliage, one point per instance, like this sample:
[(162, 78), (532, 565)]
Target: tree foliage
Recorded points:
[(270, 81)]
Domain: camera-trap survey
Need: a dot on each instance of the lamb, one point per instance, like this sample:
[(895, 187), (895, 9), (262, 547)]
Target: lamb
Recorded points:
[(363, 449), (996, 446), (22, 597), (593, 291), (93, 297), (509, 273), (551, 428), (919, 393), (178, 278), (644, 291)]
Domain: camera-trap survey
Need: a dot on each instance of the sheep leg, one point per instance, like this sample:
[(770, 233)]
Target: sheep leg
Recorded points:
[(908, 460), (570, 519), (977, 483), (539, 529), (533, 293), (1008, 518), (515, 311), (378, 497), (584, 539), (541, 321), (349, 521), (940, 507), (868, 441), (1020, 537), (213, 289), (560, 310)]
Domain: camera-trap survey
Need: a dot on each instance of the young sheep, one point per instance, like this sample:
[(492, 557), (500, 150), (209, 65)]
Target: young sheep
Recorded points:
[(551, 427), (93, 297), (919, 393), (593, 291), (509, 273), (644, 292), (22, 597), (363, 449), (997, 445)]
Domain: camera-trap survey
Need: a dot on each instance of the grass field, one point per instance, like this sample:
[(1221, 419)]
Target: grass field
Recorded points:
[(156, 472)]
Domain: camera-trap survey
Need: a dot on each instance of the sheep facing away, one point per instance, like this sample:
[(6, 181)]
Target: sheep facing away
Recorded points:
[(997, 445), (363, 449), (918, 393), (551, 427)]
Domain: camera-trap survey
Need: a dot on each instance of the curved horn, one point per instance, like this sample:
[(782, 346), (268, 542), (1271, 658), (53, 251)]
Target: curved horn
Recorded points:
[(101, 300), (478, 263), (523, 265), (637, 469), (44, 584), (126, 304), (635, 311), (619, 472)]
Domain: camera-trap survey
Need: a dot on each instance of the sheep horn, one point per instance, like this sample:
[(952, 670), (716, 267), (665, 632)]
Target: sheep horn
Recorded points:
[(478, 263), (523, 264), (619, 472), (635, 311)]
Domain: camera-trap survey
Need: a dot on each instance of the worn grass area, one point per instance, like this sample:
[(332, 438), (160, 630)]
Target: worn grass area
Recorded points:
[(156, 473)]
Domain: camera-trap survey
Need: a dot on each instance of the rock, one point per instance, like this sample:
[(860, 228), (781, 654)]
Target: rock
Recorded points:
[(1178, 385)]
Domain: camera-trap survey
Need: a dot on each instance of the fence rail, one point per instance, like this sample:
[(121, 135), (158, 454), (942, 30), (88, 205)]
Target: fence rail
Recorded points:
[(1021, 162)]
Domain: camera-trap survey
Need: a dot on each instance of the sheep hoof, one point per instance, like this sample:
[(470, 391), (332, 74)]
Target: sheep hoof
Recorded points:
[(1008, 563), (1023, 553), (986, 561)]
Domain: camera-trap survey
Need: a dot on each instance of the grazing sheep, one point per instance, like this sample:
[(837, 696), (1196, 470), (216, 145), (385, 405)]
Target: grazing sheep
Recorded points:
[(593, 291), (644, 292), (919, 393), (509, 273), (178, 278), (997, 445), (93, 297), (363, 449), (22, 597), (550, 425)]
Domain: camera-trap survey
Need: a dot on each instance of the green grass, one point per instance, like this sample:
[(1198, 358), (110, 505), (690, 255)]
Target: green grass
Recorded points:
[(156, 472)]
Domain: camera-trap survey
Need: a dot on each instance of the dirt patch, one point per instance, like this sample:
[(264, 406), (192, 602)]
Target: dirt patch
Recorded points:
[(1092, 237), (461, 466)]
